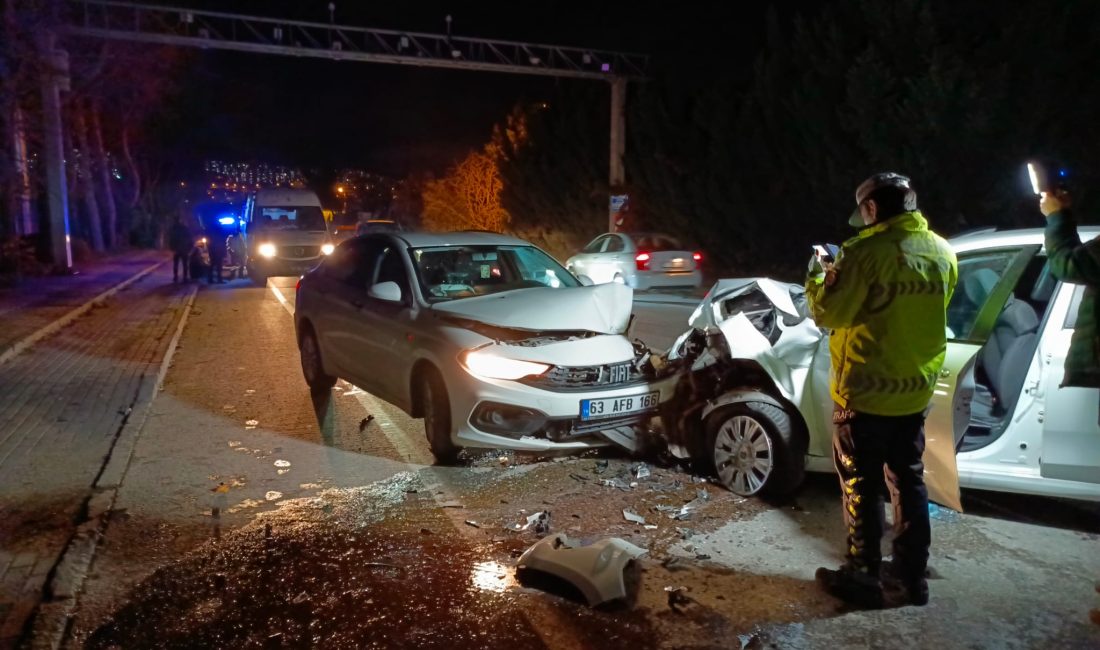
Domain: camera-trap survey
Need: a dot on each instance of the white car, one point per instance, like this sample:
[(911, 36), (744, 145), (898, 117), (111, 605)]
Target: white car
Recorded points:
[(485, 336), (638, 260), (1000, 419)]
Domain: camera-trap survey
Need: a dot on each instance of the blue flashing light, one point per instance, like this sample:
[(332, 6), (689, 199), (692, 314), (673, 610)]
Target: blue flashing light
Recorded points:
[(1061, 172), (227, 221)]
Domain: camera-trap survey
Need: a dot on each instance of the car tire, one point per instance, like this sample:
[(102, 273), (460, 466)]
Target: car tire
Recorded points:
[(437, 417), (313, 370), (753, 449)]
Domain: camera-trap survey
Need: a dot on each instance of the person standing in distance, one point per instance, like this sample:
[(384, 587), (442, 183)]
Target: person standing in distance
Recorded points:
[(885, 301)]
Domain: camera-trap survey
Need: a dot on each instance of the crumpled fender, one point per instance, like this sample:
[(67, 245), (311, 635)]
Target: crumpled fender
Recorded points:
[(739, 397), (596, 570)]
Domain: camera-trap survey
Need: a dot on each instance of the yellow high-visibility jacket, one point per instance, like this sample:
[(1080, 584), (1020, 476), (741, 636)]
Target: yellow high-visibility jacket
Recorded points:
[(887, 312)]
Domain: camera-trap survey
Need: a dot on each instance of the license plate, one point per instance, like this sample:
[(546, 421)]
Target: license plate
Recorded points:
[(609, 407)]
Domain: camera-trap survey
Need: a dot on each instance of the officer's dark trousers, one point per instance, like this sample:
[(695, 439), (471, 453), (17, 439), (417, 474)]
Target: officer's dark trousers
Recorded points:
[(873, 454), (178, 260)]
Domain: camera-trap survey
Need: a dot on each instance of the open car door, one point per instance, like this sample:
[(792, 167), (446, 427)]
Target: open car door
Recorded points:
[(987, 279)]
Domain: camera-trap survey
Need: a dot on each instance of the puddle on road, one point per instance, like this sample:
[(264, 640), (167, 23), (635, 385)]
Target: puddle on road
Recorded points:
[(352, 569)]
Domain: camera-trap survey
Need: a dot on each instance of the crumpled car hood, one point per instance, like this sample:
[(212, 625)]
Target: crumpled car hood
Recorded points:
[(603, 308), (781, 338)]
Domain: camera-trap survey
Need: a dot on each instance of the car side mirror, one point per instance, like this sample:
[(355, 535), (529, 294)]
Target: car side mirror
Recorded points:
[(388, 291), (585, 281)]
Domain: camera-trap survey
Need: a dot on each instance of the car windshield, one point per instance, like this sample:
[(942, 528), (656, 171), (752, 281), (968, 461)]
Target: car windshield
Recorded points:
[(291, 217), (450, 272)]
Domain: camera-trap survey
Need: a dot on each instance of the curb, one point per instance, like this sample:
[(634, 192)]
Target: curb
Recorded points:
[(50, 626), (41, 333)]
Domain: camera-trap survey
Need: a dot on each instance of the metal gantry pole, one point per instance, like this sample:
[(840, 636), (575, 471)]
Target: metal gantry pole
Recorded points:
[(617, 175)]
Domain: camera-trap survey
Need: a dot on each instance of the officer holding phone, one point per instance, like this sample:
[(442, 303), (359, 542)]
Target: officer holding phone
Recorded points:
[(884, 298)]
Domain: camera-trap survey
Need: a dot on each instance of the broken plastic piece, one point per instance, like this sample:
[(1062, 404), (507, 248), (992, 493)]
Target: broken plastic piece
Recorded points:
[(633, 517), (471, 522), (615, 483), (539, 521), (596, 570), (642, 471)]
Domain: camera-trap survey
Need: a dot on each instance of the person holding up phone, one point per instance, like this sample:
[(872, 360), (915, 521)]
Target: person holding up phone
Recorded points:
[(885, 299), (1073, 261)]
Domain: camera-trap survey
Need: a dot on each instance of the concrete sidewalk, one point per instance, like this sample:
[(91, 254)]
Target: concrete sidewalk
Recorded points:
[(37, 302), (63, 404)]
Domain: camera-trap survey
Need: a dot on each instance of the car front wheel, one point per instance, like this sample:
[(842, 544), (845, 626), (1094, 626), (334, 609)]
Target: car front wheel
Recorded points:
[(312, 368), (754, 449), (437, 417)]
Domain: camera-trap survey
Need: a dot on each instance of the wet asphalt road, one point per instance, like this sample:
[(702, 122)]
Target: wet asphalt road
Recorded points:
[(252, 516)]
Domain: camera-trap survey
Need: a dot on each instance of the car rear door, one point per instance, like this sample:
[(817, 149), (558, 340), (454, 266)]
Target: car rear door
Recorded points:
[(587, 262), (1070, 415)]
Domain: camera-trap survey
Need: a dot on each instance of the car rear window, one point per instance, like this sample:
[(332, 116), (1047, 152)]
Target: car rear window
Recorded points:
[(656, 243)]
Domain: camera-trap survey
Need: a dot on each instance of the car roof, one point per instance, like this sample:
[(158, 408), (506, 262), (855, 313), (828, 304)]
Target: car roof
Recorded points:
[(459, 238), (992, 238), (277, 197)]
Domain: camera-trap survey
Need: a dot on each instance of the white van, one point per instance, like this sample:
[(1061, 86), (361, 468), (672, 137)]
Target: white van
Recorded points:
[(287, 233)]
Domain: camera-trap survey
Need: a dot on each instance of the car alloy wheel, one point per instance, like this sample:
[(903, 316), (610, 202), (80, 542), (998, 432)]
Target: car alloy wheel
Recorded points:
[(743, 455), (755, 448)]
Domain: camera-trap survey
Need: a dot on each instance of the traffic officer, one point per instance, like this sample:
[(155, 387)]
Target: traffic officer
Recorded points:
[(885, 299)]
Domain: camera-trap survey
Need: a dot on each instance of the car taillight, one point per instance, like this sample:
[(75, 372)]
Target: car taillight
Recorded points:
[(698, 257), (642, 261), (297, 286)]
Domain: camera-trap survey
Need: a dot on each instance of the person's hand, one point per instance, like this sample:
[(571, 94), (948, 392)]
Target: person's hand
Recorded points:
[(1055, 201)]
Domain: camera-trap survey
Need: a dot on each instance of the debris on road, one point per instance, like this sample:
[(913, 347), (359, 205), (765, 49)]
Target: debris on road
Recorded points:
[(633, 517), (273, 495), (365, 422), (615, 483), (451, 504), (539, 521), (596, 570), (282, 463), (641, 471), (251, 424), (472, 523), (678, 598), (601, 466)]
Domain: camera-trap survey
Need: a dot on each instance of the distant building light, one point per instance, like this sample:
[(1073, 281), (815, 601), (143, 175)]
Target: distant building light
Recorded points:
[(535, 60), (456, 54), (586, 59), (403, 42), (605, 67)]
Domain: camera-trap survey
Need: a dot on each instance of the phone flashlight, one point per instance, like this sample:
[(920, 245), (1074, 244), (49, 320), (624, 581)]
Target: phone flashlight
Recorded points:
[(1033, 174)]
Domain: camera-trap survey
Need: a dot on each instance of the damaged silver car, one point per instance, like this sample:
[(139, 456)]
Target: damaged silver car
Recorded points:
[(486, 337), (747, 386)]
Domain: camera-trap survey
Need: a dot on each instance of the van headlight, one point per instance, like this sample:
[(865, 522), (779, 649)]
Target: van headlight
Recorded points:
[(267, 250), (491, 366), (327, 249)]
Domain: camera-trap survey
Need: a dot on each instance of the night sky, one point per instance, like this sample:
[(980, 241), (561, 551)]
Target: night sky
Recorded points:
[(399, 119)]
